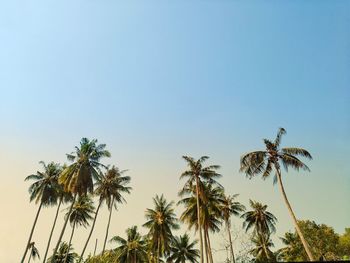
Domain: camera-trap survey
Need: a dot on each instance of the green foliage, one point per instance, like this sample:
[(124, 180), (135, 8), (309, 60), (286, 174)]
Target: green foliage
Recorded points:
[(82, 211), (182, 250), (323, 240), (61, 254)]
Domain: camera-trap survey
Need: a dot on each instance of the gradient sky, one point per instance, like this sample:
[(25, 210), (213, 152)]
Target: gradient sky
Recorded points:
[(155, 80)]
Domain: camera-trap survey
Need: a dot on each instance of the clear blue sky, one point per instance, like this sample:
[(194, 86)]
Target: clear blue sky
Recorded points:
[(159, 79)]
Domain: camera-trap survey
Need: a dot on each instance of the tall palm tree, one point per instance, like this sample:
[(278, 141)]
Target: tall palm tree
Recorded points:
[(77, 178), (133, 249), (43, 191), (182, 250), (80, 215), (195, 173), (63, 197), (34, 253), (211, 199), (109, 188), (261, 251), (262, 221), (231, 207), (64, 254), (161, 221), (263, 162)]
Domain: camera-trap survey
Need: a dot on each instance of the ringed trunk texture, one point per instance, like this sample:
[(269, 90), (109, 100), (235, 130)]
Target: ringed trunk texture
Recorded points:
[(109, 221), (199, 221), (53, 227), (63, 229), (92, 229), (301, 236), (31, 232), (231, 245), (69, 243)]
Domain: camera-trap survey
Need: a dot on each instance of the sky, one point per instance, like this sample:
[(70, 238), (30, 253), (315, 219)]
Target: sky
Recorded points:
[(156, 80)]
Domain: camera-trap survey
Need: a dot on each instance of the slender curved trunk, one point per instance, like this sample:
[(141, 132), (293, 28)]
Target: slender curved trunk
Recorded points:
[(206, 246), (231, 245), (30, 257), (92, 229), (69, 243), (109, 221), (209, 246), (53, 227), (199, 221), (31, 232), (158, 250), (95, 247), (301, 236), (63, 229)]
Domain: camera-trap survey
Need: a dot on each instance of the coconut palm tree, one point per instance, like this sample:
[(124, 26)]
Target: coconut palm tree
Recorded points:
[(262, 221), (133, 249), (263, 162), (34, 253), (230, 207), (80, 215), (182, 250), (63, 254), (109, 188), (77, 178), (211, 198), (194, 174), (43, 191), (161, 221), (64, 197), (261, 251)]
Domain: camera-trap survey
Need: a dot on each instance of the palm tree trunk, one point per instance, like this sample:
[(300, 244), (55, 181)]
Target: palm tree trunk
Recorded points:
[(31, 232), (209, 246), (199, 221), (53, 227), (95, 247), (206, 246), (301, 236), (231, 245), (30, 256), (109, 221), (69, 243), (158, 249), (92, 229), (63, 229)]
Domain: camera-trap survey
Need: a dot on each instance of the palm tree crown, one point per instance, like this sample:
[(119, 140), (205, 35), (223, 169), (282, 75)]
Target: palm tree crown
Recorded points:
[(82, 211), (182, 250)]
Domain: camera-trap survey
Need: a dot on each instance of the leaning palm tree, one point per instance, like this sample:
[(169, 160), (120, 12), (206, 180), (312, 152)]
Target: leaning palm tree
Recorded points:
[(133, 249), (64, 254), (109, 188), (263, 162), (77, 178), (43, 191), (64, 197), (34, 253), (261, 251), (161, 221), (182, 250), (195, 173), (230, 207), (80, 215)]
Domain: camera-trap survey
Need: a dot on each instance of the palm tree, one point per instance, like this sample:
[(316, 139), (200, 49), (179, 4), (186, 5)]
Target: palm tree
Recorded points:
[(133, 249), (77, 178), (261, 251), (80, 215), (195, 173), (34, 253), (182, 250), (211, 199), (231, 207), (160, 222), (109, 188), (262, 162), (63, 254), (262, 221), (43, 191), (64, 197)]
